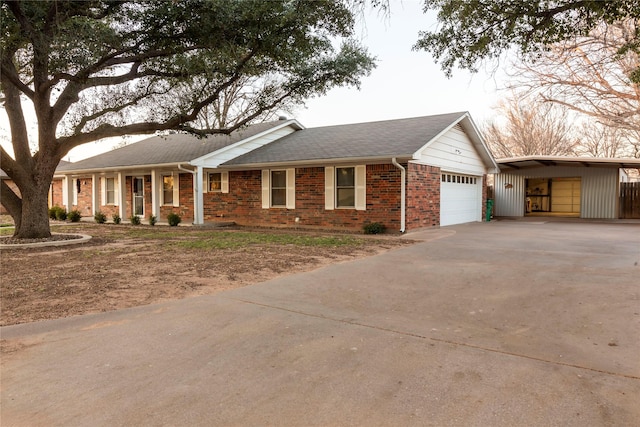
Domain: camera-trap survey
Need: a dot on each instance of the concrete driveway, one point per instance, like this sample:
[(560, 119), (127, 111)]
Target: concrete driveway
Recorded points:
[(495, 324)]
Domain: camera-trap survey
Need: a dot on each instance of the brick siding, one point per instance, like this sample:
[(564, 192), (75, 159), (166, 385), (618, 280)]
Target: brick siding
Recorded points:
[(85, 202), (423, 196), (243, 203), (56, 193), (185, 210)]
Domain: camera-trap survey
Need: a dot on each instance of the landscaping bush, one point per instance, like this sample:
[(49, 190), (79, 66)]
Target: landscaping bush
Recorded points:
[(53, 211), (374, 228), (100, 217), (116, 218), (61, 214), (173, 219), (134, 219), (74, 215), (152, 220)]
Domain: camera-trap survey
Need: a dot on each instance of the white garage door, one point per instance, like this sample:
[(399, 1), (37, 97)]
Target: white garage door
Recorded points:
[(460, 199)]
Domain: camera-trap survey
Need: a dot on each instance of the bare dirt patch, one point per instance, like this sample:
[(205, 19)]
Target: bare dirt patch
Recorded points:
[(125, 266)]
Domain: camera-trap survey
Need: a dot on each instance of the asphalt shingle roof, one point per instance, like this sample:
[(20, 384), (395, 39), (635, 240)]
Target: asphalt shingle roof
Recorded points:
[(166, 149), (390, 138)]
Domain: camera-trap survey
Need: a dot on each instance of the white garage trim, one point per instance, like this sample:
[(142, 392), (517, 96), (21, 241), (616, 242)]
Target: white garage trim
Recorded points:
[(460, 198)]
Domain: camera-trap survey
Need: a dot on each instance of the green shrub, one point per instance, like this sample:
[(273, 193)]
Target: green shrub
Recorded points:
[(152, 220), (374, 228), (134, 219), (173, 219), (61, 214), (116, 218), (54, 212), (100, 217), (74, 215)]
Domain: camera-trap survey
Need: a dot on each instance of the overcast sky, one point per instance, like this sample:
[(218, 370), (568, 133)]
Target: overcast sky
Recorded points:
[(405, 83)]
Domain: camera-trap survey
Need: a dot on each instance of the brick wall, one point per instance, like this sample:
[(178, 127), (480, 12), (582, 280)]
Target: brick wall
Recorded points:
[(108, 210), (56, 193), (85, 203), (128, 199), (423, 196), (185, 210), (243, 203)]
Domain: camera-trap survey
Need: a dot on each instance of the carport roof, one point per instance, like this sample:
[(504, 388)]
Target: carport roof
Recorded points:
[(528, 162)]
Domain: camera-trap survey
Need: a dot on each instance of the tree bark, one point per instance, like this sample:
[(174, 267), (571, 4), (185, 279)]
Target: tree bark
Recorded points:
[(12, 203), (30, 207), (33, 222)]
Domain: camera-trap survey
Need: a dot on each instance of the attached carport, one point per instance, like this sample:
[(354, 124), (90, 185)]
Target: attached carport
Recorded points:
[(559, 186)]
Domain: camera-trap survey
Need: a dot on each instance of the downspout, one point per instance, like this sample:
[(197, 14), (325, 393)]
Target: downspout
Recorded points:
[(403, 190), (196, 220)]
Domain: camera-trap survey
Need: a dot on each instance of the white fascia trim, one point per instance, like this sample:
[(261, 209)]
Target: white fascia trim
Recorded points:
[(319, 162), (478, 141), (418, 154), (114, 169), (603, 160), (449, 169), (202, 161)]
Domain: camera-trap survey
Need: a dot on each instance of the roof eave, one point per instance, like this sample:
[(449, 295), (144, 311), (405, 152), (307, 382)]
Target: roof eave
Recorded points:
[(112, 169), (318, 162), (519, 163)]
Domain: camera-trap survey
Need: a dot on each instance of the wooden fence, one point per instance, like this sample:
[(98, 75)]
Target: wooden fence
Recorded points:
[(630, 200)]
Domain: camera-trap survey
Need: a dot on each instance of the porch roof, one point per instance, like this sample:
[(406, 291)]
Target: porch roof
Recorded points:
[(529, 162), (165, 149)]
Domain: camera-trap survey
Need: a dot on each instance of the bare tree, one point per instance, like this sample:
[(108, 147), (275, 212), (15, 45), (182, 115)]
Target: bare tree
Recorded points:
[(598, 140), (530, 128), (236, 100), (590, 75)]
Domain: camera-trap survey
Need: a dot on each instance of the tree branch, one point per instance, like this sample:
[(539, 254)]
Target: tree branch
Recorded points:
[(8, 71), (10, 200), (17, 124)]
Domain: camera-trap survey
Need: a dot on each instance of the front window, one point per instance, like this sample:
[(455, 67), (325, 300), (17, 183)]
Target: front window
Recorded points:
[(215, 182), (279, 188), (345, 187), (167, 190), (110, 190)]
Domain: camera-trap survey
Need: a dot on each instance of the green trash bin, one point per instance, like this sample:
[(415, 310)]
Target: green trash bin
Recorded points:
[(489, 209)]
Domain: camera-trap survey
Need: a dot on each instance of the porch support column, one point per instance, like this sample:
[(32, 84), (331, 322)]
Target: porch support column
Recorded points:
[(95, 199), (122, 195), (67, 192), (155, 196), (198, 199)]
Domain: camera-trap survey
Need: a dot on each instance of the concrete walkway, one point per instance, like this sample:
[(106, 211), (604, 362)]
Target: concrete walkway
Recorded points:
[(495, 324)]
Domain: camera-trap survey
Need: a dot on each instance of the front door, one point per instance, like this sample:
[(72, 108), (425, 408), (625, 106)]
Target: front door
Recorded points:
[(138, 196)]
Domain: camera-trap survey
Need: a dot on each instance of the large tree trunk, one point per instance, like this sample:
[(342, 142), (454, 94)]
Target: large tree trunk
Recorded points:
[(29, 207), (34, 218)]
